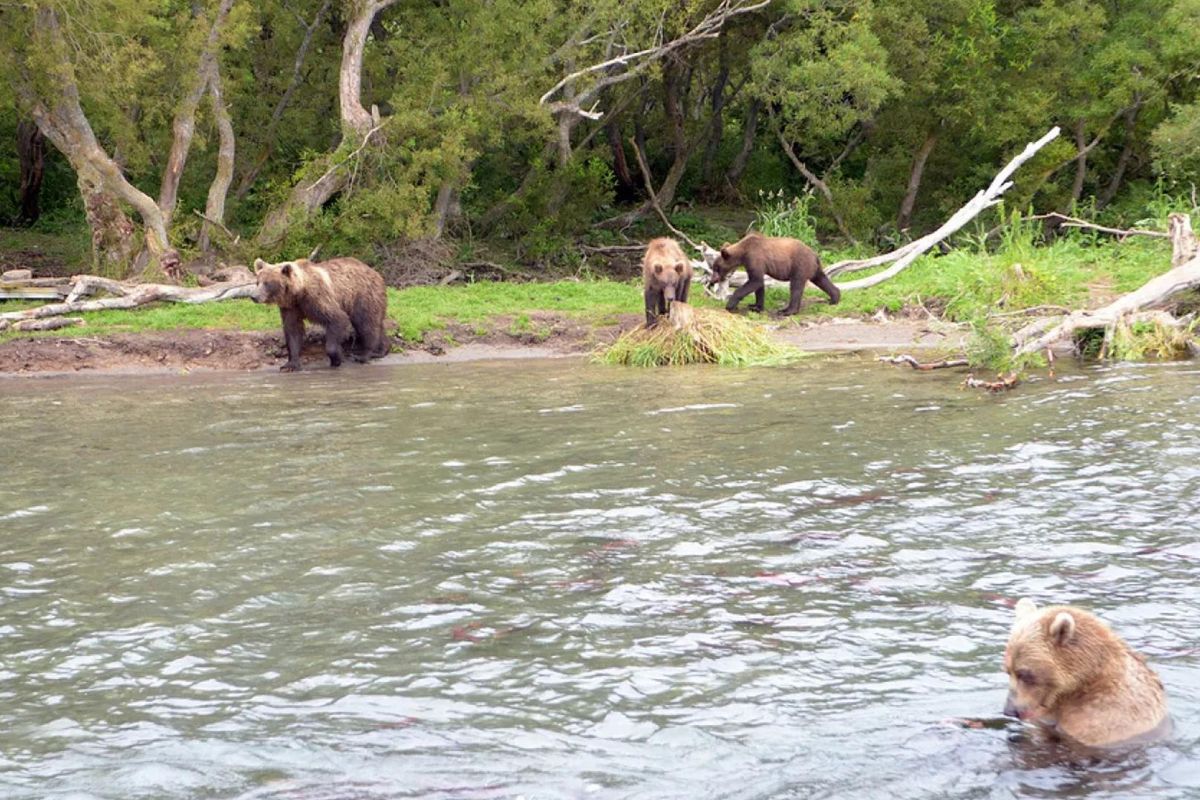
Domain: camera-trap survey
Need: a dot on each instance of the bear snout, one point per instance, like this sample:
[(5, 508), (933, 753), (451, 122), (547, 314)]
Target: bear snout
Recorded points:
[(1010, 707)]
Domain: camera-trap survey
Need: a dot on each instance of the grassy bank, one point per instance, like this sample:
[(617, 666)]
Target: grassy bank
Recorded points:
[(970, 284)]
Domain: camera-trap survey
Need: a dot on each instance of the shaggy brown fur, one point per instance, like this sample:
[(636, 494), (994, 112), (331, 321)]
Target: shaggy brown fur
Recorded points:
[(1069, 672), (783, 259), (343, 295), (666, 275)]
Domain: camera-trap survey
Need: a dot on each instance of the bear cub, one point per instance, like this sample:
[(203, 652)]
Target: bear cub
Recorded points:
[(343, 295), (783, 259), (666, 277), (1071, 674)]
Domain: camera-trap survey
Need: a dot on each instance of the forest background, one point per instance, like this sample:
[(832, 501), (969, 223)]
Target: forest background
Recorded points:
[(506, 133)]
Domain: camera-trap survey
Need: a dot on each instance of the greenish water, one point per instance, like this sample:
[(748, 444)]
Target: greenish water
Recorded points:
[(555, 580)]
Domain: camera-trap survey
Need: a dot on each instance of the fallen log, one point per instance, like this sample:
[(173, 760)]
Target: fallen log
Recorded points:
[(1039, 336), (1002, 383), (985, 198), (48, 324), (131, 296), (902, 257), (924, 367)]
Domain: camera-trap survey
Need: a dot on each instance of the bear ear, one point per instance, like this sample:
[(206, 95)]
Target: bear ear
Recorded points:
[(259, 264), (287, 270), (1025, 607), (725, 250), (1062, 629), (658, 269), (679, 268)]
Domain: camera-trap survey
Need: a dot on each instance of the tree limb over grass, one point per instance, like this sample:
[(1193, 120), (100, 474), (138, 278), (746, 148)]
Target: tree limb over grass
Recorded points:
[(127, 295), (1039, 336), (985, 198)]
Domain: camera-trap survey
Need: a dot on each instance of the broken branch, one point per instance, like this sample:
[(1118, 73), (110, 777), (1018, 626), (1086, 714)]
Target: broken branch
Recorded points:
[(924, 367), (985, 198)]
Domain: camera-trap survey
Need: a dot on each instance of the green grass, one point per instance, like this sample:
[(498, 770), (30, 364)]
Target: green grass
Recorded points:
[(70, 248), (710, 337), (967, 285), (416, 311), (423, 308)]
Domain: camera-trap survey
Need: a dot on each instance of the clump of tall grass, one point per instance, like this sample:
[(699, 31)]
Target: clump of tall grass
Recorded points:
[(779, 217), (703, 336)]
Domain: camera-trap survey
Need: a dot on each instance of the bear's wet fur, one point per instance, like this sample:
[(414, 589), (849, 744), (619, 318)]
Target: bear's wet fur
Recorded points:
[(666, 277), (1071, 674), (343, 295), (779, 257)]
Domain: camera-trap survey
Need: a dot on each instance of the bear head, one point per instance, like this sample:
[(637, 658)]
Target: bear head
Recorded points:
[(278, 284), (667, 267), (722, 265), (1053, 654)]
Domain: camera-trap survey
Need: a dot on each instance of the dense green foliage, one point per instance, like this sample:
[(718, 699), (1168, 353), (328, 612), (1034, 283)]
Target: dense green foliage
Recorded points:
[(857, 90)]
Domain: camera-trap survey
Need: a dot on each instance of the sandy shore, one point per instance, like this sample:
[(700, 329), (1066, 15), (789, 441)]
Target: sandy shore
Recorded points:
[(185, 351)]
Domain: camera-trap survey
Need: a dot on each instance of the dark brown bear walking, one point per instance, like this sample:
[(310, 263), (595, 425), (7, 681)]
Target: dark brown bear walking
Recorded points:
[(666, 275), (783, 259), (343, 295)]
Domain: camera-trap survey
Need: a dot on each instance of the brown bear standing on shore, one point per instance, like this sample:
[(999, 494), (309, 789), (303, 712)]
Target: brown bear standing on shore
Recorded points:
[(783, 259), (1068, 671), (343, 295), (666, 275)]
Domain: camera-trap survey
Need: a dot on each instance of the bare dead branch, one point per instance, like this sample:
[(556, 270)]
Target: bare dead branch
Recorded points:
[(641, 159), (1002, 384), (904, 256), (132, 296), (1074, 222), (626, 65), (923, 366)]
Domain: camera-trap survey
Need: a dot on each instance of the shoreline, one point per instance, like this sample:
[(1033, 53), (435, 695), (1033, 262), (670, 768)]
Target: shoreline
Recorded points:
[(186, 351)]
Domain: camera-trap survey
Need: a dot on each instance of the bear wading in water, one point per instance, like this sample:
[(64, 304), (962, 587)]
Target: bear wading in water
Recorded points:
[(343, 295), (781, 258), (666, 276), (1076, 679)]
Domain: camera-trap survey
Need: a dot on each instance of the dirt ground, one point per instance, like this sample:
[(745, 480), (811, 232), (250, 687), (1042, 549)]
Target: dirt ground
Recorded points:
[(547, 335)]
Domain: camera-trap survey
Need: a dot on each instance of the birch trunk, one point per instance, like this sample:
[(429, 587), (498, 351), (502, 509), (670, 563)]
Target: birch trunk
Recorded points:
[(358, 125), (214, 209), (183, 127), (60, 117)]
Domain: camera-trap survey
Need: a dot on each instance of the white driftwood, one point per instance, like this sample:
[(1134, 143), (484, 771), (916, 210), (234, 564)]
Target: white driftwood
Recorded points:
[(1183, 242), (131, 296), (1157, 290), (904, 256), (48, 324), (986, 198)]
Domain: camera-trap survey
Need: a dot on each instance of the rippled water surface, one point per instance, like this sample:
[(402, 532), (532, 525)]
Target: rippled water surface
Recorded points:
[(555, 580)]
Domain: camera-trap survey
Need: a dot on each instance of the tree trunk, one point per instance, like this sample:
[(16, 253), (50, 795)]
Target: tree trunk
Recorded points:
[(443, 208), (31, 151), (269, 136), (183, 127), (1114, 185), (817, 184), (61, 119), (114, 239), (717, 124), (1080, 162), (673, 108), (214, 209), (749, 130), (620, 164), (358, 125), (914, 182)]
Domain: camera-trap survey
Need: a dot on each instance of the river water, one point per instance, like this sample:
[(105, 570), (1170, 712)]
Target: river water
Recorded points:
[(557, 580)]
